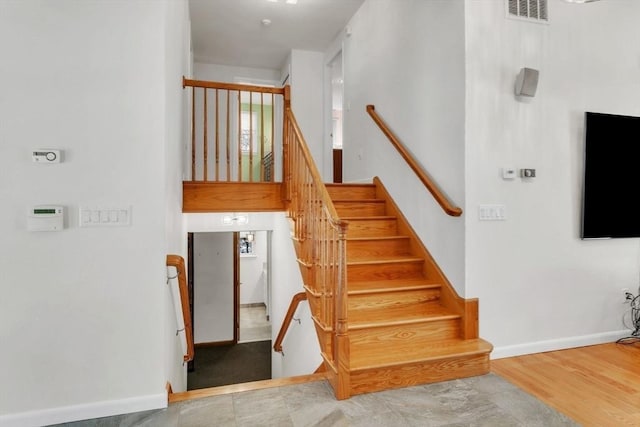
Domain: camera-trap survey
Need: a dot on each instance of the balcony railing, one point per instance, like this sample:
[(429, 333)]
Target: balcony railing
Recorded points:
[(236, 131)]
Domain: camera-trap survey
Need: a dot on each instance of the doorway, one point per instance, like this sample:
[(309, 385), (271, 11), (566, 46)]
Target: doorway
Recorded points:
[(254, 304), (337, 97), (230, 283)]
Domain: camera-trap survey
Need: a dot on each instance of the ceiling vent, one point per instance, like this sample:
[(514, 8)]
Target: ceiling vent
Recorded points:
[(529, 10)]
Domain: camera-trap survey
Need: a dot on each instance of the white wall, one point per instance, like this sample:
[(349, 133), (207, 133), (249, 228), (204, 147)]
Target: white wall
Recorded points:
[(253, 278), (84, 311), (227, 73), (301, 348), (407, 58), (540, 286), (307, 83), (177, 57), (213, 287)]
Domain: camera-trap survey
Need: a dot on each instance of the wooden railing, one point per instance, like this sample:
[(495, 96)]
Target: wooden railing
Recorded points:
[(319, 235), (293, 306), (178, 262), (435, 191), (233, 131)]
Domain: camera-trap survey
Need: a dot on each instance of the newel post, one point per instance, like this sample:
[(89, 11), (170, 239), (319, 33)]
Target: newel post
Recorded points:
[(342, 351)]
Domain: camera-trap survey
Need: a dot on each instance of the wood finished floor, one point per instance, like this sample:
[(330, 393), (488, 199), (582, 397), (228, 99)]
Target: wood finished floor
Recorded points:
[(595, 386)]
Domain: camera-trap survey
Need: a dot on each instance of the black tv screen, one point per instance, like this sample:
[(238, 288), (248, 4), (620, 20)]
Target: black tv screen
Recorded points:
[(611, 176)]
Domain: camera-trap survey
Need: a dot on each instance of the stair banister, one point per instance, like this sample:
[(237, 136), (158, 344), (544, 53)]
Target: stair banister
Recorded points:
[(435, 191), (293, 306), (320, 238)]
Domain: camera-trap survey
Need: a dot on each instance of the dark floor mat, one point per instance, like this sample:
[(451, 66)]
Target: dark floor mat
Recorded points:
[(230, 364)]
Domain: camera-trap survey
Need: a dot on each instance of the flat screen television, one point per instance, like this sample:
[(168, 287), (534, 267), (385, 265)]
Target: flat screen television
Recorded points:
[(611, 177)]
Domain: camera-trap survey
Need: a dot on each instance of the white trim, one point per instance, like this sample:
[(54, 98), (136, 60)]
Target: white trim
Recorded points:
[(557, 344), (84, 412)]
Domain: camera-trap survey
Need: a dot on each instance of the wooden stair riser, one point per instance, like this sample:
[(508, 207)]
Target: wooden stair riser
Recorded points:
[(425, 372), (372, 227), (383, 271), (377, 248), (351, 192), (360, 208), (360, 303), (397, 338)]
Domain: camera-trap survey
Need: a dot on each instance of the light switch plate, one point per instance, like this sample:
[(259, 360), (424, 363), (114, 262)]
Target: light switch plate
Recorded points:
[(104, 216), (492, 212)]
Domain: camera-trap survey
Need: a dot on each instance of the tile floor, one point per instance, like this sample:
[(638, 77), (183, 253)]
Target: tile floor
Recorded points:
[(480, 401), (254, 325)]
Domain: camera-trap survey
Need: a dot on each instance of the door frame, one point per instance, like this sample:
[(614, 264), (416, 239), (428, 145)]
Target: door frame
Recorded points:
[(236, 287)]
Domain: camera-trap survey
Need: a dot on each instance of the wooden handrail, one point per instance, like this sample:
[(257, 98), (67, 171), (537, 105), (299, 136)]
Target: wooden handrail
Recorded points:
[(435, 191), (293, 306), (313, 170), (178, 262), (231, 86)]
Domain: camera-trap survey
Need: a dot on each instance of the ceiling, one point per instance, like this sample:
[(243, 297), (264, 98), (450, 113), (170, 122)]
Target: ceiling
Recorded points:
[(230, 32)]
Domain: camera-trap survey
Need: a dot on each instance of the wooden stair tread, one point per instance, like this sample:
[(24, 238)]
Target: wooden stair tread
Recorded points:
[(385, 260), (392, 285), (402, 315), (445, 349), (350, 184), (366, 238), (365, 218), (358, 201)]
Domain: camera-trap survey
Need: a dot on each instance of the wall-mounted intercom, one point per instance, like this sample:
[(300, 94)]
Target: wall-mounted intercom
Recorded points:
[(45, 218)]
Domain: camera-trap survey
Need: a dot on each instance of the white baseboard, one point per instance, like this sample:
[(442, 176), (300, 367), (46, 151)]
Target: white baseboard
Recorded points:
[(557, 344), (84, 412)]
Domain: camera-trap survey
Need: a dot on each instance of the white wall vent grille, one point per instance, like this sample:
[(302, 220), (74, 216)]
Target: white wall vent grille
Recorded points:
[(530, 10)]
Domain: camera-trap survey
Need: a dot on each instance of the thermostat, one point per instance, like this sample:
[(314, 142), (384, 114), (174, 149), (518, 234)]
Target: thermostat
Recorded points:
[(45, 218), (44, 155)]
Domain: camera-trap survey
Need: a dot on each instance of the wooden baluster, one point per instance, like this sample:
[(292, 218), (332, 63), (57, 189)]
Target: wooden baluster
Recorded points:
[(250, 136), (273, 138), (217, 139), (261, 157), (193, 133), (228, 135), (320, 235), (286, 171), (204, 137), (239, 136)]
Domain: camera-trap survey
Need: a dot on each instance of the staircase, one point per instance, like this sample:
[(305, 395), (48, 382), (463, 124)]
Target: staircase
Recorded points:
[(385, 314), (406, 325)]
